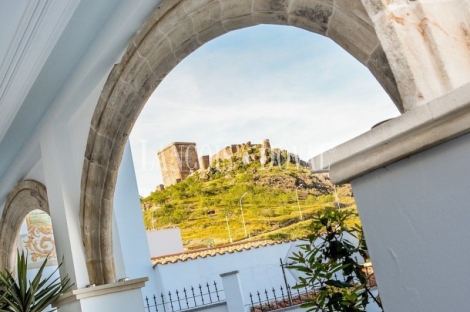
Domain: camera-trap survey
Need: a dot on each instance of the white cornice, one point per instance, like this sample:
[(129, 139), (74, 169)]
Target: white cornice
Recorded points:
[(419, 129), (21, 41), (30, 20), (80, 294), (38, 31)]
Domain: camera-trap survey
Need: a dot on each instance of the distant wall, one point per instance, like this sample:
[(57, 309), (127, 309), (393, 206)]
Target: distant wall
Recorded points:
[(165, 242), (230, 150), (224, 153), (259, 269)]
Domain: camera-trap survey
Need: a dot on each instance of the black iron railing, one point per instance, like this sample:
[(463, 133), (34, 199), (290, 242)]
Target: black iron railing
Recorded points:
[(186, 299), (277, 299)]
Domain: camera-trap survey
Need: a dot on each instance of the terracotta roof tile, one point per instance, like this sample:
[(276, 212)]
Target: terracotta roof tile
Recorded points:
[(212, 252)]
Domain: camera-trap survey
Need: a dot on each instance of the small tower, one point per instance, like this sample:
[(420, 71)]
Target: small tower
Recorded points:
[(266, 144), (177, 161)]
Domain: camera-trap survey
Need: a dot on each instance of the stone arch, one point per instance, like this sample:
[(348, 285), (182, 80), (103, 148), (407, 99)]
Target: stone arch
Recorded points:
[(26, 196), (173, 31)]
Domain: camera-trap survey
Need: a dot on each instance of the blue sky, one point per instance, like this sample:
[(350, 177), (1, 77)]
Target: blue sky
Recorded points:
[(298, 89)]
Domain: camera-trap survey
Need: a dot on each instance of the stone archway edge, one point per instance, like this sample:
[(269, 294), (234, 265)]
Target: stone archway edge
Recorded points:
[(173, 31), (26, 196)]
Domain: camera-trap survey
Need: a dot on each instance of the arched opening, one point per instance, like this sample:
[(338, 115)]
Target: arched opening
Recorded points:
[(265, 81), (36, 239), (26, 197), (172, 32)]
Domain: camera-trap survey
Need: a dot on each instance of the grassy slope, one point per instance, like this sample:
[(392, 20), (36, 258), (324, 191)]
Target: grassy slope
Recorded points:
[(199, 205)]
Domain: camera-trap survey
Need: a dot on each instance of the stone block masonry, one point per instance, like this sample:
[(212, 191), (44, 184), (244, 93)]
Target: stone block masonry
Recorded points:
[(177, 161), (204, 162)]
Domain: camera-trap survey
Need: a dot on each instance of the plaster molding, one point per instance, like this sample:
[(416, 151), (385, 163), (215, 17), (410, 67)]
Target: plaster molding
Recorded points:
[(79, 294), (27, 28), (229, 273), (39, 30), (421, 128)]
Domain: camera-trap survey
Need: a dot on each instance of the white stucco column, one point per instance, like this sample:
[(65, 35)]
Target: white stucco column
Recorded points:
[(63, 191), (131, 249), (233, 291), (62, 177), (415, 215)]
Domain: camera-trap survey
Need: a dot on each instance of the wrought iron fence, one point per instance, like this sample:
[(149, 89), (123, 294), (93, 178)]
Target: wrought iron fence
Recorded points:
[(287, 296), (185, 299), (270, 300)]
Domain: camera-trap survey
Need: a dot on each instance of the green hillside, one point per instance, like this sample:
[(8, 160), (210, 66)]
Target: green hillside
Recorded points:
[(202, 204)]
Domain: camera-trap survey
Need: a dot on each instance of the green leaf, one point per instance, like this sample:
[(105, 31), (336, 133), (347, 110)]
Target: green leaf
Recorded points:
[(338, 284), (22, 295)]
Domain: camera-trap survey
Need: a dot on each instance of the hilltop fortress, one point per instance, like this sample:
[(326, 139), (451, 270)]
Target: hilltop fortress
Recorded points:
[(179, 160)]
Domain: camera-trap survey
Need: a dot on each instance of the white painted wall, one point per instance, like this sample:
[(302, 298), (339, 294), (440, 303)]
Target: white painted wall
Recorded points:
[(128, 301), (165, 242), (259, 269), (215, 308), (415, 215), (64, 198), (131, 249)]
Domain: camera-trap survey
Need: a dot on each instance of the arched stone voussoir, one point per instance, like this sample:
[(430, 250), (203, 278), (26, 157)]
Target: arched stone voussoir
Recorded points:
[(26, 196), (352, 34), (313, 15), (380, 68), (174, 30), (212, 9), (236, 8), (271, 6)]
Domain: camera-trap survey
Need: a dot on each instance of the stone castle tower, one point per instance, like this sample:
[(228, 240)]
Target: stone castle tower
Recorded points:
[(177, 161)]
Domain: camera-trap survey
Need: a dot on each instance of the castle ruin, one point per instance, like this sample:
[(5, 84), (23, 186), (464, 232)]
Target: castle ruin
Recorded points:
[(177, 161), (180, 159)]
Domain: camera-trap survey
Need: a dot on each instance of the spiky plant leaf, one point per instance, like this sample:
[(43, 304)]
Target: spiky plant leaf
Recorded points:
[(22, 295)]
